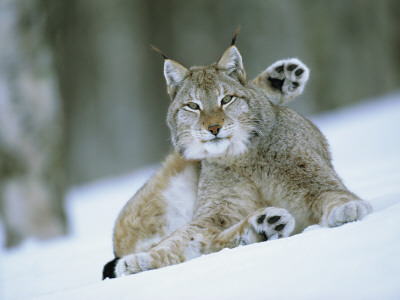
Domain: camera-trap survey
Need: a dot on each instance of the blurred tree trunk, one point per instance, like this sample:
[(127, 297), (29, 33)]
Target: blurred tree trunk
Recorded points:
[(111, 83), (31, 129)]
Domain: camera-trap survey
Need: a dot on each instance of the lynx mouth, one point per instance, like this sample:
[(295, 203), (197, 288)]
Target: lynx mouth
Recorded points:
[(217, 140)]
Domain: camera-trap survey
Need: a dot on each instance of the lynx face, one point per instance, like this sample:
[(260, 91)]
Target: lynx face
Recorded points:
[(212, 123), (211, 114)]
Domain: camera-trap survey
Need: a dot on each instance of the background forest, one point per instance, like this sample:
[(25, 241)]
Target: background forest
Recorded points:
[(82, 95)]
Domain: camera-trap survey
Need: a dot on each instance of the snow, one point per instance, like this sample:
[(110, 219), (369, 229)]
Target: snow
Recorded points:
[(360, 260)]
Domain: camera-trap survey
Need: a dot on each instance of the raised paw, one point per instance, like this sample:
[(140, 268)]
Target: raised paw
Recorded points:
[(288, 76), (270, 223), (284, 80), (348, 212)]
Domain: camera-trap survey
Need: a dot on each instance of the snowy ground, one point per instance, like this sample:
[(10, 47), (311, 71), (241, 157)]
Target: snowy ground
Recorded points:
[(360, 260)]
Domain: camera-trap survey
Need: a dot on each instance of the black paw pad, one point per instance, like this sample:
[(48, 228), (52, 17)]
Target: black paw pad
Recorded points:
[(299, 72), (273, 219), (295, 84), (279, 69), (276, 83), (261, 219), (264, 235), (280, 227), (291, 67), (109, 269)]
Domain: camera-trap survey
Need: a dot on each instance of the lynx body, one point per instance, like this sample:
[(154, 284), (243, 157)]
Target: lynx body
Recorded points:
[(244, 169)]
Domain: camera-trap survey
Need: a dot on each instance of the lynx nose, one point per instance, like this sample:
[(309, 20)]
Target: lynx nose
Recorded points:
[(214, 128)]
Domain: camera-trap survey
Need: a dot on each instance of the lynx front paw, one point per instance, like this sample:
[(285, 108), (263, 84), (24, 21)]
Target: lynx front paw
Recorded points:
[(132, 264), (348, 212), (268, 224), (288, 76), (283, 80)]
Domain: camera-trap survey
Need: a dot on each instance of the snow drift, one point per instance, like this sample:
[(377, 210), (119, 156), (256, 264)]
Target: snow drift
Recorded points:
[(360, 260)]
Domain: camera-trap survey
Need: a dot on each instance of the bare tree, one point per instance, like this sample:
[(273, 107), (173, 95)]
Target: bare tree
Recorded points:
[(31, 127)]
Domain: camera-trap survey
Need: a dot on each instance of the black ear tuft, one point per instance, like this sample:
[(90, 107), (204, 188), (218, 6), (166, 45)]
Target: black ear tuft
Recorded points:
[(109, 269), (159, 51), (235, 36)]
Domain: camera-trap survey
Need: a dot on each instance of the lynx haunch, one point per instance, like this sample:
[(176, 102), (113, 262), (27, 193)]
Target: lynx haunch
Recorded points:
[(244, 169)]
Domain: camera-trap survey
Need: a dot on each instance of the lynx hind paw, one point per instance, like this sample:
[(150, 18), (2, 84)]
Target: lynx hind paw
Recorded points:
[(287, 77), (272, 223), (132, 264), (348, 212)]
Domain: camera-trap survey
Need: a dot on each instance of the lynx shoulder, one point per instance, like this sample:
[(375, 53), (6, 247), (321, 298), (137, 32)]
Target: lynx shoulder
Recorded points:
[(244, 169)]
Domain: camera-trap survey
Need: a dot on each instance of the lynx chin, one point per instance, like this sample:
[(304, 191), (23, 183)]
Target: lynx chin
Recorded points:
[(244, 170)]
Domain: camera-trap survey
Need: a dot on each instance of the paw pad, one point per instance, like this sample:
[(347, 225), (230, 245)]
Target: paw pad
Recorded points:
[(271, 223), (261, 219), (273, 219), (279, 69), (276, 83), (264, 236), (288, 77)]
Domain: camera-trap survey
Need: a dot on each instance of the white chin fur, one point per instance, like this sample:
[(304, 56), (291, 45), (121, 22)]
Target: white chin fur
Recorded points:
[(216, 147), (201, 150)]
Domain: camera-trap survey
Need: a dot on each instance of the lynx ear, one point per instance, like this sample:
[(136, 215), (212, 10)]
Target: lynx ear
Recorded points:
[(231, 62), (174, 74)]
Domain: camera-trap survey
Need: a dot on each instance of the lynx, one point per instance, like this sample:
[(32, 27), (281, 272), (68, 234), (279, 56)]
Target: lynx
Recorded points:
[(244, 169)]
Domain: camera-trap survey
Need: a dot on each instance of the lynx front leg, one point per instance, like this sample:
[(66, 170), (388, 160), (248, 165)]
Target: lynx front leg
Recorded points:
[(194, 240), (186, 243), (262, 225), (284, 80)]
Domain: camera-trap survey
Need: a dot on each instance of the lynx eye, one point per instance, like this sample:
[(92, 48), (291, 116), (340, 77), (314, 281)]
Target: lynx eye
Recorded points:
[(226, 100), (193, 106)]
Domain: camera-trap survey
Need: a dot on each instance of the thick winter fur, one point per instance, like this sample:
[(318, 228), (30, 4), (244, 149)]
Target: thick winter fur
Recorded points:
[(244, 169)]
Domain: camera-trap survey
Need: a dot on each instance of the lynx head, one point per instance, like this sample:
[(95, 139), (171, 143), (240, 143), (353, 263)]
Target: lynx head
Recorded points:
[(212, 113)]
